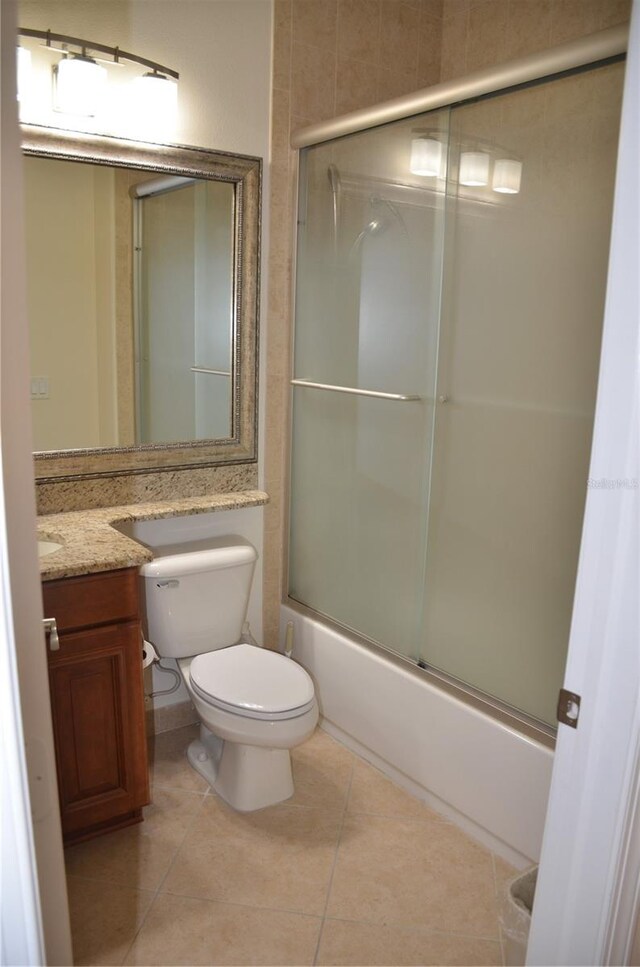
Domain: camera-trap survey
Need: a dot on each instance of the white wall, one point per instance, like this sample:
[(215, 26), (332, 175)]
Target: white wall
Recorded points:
[(29, 655)]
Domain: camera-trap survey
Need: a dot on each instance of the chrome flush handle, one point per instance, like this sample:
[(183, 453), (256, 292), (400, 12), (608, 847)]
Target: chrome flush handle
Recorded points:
[(51, 632)]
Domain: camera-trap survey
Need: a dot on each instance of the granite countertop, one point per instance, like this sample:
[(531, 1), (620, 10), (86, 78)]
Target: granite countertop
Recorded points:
[(90, 543)]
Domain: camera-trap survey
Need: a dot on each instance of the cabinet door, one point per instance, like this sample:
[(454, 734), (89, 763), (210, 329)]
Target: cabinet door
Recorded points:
[(98, 720)]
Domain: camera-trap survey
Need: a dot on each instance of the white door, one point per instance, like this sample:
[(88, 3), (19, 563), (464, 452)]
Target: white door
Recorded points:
[(33, 899), (586, 894)]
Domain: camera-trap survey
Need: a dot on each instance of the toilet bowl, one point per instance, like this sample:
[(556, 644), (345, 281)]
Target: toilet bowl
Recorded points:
[(245, 735), (254, 704)]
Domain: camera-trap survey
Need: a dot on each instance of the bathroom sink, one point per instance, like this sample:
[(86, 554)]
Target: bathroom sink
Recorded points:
[(48, 547)]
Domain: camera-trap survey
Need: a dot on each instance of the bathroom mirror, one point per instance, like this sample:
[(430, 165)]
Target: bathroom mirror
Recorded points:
[(142, 282)]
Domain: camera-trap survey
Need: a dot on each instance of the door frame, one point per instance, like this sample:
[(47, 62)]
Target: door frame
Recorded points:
[(587, 895)]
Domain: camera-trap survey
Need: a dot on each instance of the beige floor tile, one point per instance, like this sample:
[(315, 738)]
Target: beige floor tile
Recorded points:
[(426, 874), (279, 857), (321, 773), (139, 856), (104, 919), (182, 930), (371, 792), (364, 943), (168, 763)]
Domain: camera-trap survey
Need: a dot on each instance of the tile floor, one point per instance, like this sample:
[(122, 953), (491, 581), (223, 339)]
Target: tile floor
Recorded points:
[(351, 870)]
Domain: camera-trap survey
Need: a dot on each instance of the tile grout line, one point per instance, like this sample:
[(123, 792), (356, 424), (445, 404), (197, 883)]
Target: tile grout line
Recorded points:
[(186, 832), (417, 929), (173, 859), (335, 858), (495, 881), (244, 906), (437, 820)]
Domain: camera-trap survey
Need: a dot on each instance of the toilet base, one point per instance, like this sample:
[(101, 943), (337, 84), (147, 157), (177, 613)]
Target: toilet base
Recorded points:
[(247, 777)]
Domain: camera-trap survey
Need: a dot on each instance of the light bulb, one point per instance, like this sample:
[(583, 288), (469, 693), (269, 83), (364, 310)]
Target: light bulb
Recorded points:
[(79, 86), (507, 175), (474, 169), (155, 104), (23, 65), (426, 157)]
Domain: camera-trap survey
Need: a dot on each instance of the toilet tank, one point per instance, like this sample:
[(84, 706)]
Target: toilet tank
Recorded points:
[(195, 595)]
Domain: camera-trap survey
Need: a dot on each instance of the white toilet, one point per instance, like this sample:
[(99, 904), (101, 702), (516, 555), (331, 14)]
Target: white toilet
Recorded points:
[(254, 704)]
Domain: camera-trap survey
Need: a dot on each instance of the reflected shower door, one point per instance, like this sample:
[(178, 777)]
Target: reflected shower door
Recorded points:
[(184, 312), (523, 303), (369, 267)]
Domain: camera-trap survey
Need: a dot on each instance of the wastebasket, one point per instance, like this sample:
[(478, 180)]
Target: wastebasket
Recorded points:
[(515, 916)]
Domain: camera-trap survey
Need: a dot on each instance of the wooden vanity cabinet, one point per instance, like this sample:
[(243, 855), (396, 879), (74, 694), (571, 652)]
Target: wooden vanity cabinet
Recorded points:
[(97, 701)]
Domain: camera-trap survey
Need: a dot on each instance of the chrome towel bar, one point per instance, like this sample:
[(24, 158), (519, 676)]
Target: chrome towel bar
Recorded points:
[(354, 391), (210, 372)]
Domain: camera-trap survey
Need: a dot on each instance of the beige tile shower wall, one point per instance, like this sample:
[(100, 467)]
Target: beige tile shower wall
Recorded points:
[(330, 57), (479, 33)]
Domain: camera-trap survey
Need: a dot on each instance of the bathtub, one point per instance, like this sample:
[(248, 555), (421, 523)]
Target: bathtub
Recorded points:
[(480, 773)]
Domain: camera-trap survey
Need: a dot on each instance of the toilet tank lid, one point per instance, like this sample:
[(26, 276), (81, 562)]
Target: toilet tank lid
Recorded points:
[(198, 557)]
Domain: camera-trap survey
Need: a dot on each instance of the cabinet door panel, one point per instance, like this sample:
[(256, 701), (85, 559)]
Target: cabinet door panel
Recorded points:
[(88, 728), (98, 719)]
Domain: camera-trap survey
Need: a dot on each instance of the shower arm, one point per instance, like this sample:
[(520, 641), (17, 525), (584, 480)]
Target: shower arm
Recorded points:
[(354, 391)]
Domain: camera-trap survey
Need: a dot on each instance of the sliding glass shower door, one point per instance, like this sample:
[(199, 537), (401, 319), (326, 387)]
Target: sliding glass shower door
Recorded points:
[(459, 257), (184, 238), (368, 305), (523, 303)]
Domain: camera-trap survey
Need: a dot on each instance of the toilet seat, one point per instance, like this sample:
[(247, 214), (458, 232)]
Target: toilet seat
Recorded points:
[(252, 682)]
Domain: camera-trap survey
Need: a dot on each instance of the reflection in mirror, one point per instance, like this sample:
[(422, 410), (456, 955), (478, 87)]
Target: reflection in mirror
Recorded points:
[(183, 309), (144, 275), (130, 287)]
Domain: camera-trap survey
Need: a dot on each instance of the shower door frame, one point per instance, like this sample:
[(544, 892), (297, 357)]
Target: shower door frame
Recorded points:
[(595, 50)]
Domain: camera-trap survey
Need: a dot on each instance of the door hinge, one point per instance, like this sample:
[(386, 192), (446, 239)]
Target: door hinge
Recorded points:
[(568, 708)]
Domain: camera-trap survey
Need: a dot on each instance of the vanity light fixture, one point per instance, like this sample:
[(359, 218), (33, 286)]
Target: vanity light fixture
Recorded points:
[(426, 157), (474, 169), (429, 160), (81, 83), (156, 99), (507, 175)]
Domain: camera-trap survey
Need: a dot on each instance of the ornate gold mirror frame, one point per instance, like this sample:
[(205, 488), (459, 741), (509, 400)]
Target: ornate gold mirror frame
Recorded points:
[(245, 174)]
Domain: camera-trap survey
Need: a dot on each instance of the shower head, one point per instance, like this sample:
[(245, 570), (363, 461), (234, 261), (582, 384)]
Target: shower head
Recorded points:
[(379, 221), (373, 227)]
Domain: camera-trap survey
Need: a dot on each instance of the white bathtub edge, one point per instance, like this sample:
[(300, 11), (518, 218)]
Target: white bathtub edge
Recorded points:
[(485, 776), (476, 832)]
